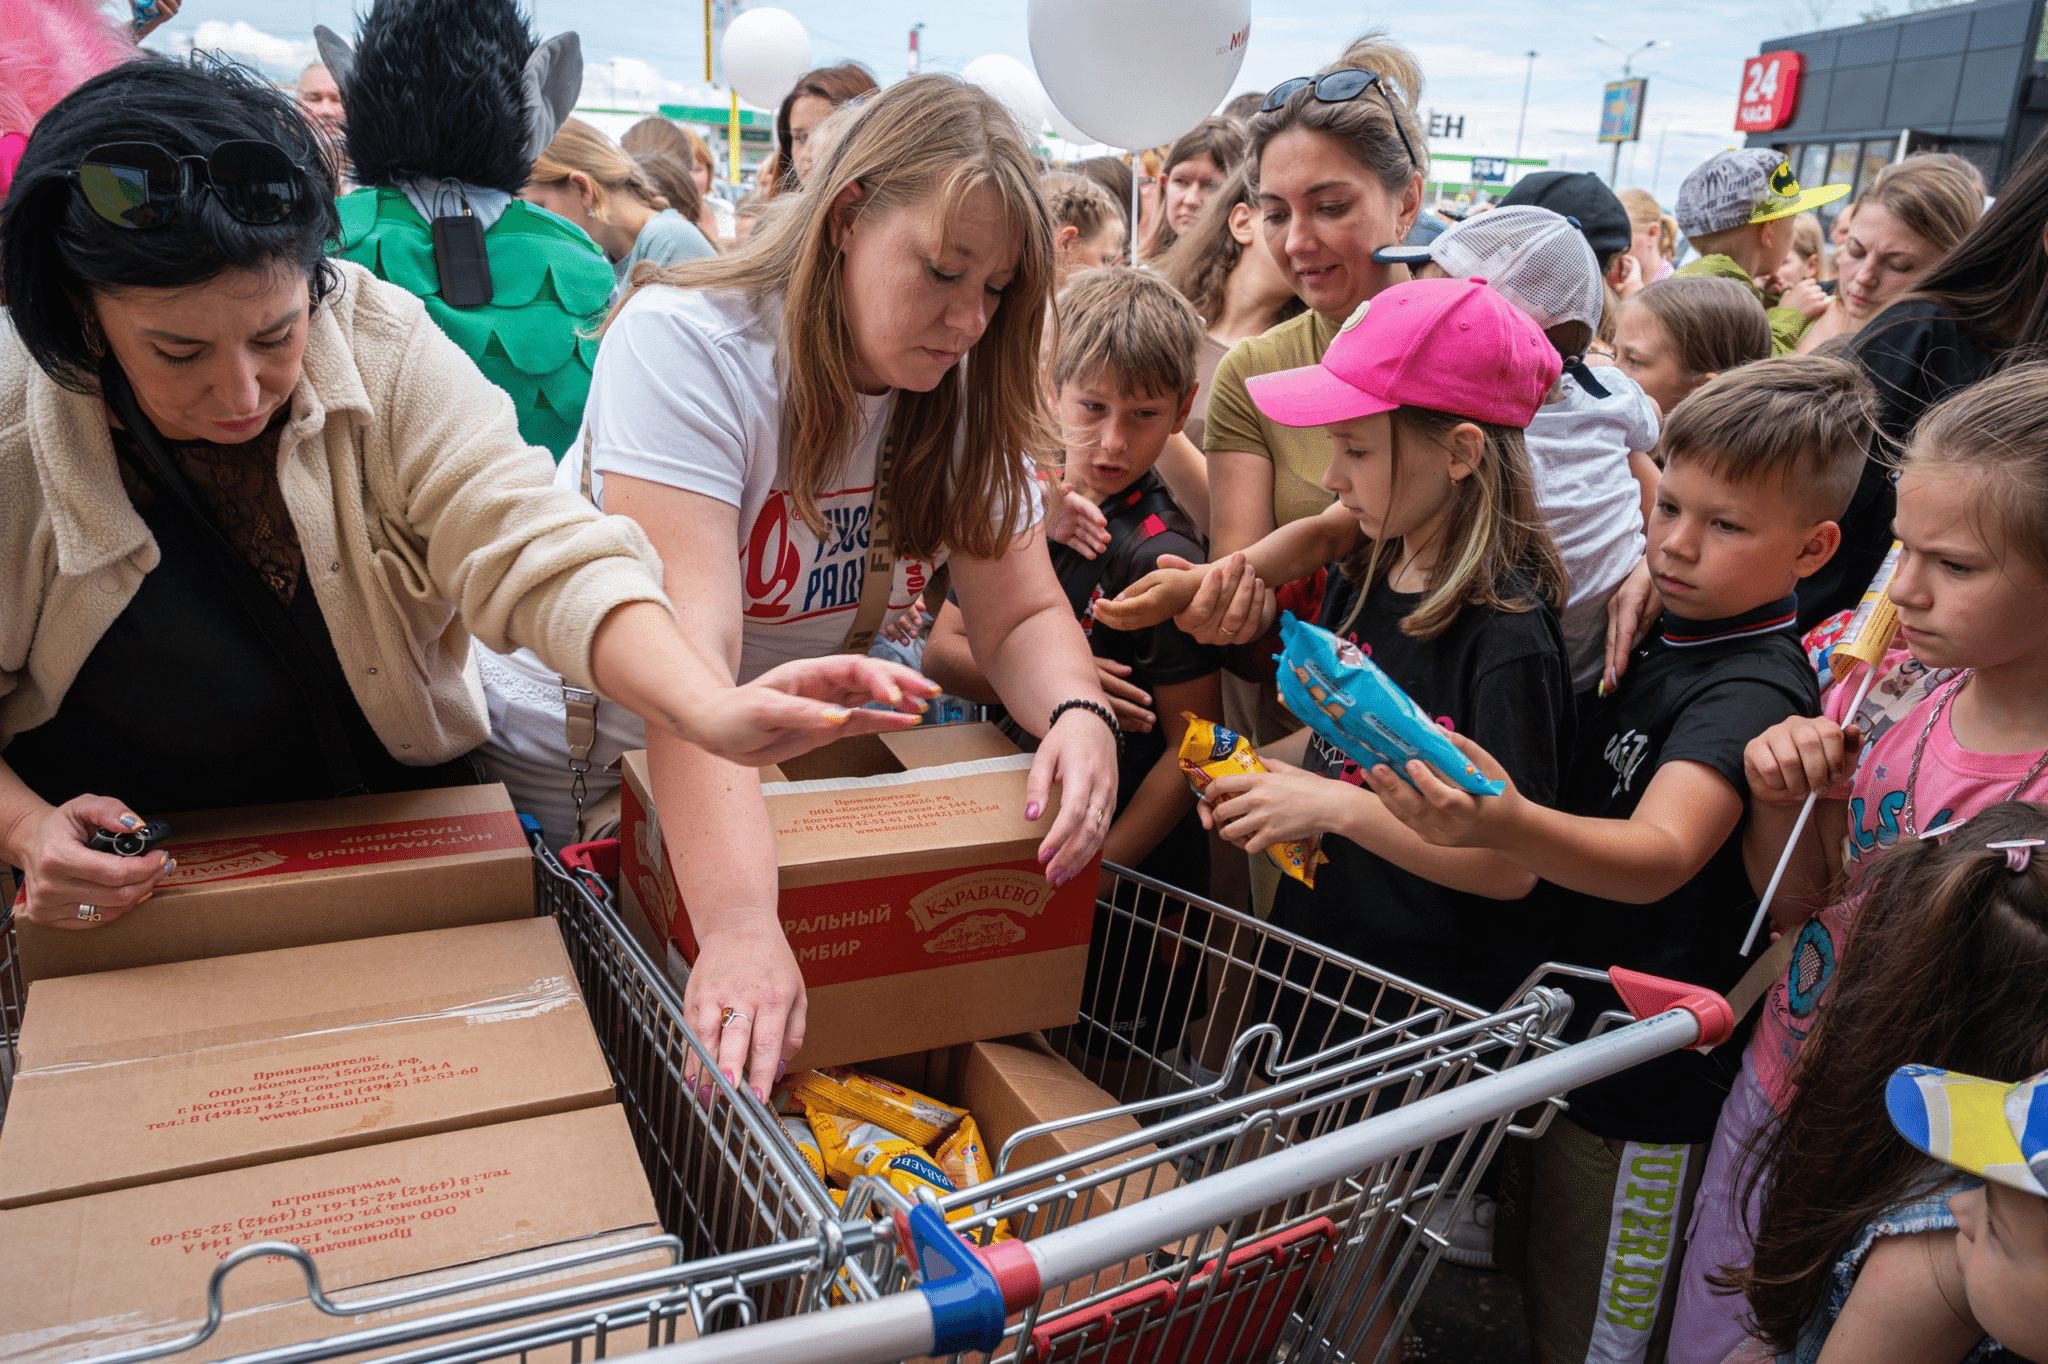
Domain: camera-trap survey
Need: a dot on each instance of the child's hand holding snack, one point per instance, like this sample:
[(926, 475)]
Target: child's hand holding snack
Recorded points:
[(1799, 757), (1444, 814), (1280, 805)]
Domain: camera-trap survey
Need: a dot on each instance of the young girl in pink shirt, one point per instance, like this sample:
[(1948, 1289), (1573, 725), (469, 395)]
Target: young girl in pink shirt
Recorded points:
[(1956, 722)]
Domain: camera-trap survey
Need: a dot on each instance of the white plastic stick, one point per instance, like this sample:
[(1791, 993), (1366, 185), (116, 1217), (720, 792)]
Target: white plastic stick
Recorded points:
[(1763, 907)]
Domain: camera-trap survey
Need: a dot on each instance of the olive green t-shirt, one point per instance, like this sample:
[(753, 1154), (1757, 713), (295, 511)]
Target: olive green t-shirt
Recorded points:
[(1299, 453)]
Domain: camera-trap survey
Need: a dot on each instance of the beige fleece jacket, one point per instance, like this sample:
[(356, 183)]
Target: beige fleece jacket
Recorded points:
[(424, 518)]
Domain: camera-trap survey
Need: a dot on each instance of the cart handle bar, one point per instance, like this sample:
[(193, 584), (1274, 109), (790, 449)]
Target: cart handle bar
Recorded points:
[(966, 1294)]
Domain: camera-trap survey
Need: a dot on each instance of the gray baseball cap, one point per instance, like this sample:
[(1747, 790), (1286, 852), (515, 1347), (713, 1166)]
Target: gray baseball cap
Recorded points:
[(1744, 185)]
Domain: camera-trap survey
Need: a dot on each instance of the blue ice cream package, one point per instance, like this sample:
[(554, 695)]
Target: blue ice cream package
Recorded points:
[(1344, 697)]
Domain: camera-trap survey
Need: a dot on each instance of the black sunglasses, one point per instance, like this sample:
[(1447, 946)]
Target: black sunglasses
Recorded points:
[(1338, 87), (136, 184)]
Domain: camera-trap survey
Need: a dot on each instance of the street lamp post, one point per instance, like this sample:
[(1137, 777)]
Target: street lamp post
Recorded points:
[(1523, 121), (1628, 56), (915, 29)]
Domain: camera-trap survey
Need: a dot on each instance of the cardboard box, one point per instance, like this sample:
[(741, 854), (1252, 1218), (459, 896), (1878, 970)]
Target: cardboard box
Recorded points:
[(910, 891), (126, 1269), (163, 1072), (318, 871)]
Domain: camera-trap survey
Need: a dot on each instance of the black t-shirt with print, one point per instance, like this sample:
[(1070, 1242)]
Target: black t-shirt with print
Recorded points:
[(1698, 691), (1158, 656), (1500, 677)]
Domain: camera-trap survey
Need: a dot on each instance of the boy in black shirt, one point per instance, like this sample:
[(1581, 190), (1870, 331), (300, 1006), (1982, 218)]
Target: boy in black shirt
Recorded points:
[(1642, 858), (1123, 381)]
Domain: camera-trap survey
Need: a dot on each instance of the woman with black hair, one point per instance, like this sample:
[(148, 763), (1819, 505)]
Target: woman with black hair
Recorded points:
[(1986, 298), (253, 503)]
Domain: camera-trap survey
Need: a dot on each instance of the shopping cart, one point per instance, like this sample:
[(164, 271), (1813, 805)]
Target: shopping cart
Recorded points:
[(751, 1235), (1301, 1133)]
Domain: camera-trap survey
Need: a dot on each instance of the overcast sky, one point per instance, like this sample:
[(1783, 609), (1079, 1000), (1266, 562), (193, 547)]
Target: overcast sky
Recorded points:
[(1474, 55)]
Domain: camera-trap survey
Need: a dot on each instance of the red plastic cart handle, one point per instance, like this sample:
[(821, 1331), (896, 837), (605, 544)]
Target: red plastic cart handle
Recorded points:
[(1647, 996), (600, 858)]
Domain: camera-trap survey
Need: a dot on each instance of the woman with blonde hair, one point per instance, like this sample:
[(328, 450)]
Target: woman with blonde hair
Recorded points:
[(807, 429), (1087, 226), (657, 134), (584, 177), (1909, 217)]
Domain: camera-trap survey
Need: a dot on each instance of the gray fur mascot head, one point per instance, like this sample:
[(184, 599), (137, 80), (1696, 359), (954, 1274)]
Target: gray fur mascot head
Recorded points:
[(453, 92)]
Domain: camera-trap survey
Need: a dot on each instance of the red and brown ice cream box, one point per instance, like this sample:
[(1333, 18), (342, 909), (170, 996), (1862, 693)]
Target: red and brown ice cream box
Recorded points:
[(113, 1271), (163, 1072), (279, 876), (910, 891)]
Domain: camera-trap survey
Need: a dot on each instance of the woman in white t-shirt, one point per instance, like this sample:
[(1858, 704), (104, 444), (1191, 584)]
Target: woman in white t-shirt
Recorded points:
[(738, 412)]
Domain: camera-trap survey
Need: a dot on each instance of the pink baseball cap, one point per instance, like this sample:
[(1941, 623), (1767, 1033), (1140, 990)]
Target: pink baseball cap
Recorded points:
[(1449, 344)]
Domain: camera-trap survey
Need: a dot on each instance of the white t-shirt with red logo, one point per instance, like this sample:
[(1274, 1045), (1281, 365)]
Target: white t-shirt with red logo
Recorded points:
[(686, 393)]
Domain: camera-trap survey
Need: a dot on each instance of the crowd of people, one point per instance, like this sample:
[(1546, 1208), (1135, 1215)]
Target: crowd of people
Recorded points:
[(418, 433)]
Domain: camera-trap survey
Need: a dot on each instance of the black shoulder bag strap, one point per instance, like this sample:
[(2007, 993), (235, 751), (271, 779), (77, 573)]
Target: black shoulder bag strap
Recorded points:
[(1127, 527), (264, 610)]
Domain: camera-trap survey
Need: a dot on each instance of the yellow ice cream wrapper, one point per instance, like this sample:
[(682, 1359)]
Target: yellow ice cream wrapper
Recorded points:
[(1210, 751)]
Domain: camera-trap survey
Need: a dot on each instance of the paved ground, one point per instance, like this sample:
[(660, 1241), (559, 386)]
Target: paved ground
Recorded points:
[(1470, 1316)]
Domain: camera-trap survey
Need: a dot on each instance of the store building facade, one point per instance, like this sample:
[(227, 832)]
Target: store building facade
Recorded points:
[(1970, 79)]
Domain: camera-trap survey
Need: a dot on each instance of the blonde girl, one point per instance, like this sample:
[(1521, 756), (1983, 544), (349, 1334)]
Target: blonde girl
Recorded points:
[(584, 177), (868, 358), (1088, 227)]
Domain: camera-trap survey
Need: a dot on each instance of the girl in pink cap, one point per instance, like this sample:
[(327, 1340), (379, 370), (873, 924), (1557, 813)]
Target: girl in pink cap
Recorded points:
[(1448, 580)]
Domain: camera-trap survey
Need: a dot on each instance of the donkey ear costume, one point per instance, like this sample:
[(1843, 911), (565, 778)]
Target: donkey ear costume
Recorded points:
[(449, 102)]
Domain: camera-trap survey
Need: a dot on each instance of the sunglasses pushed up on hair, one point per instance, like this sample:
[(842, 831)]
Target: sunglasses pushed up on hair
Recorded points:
[(139, 184), (1341, 87)]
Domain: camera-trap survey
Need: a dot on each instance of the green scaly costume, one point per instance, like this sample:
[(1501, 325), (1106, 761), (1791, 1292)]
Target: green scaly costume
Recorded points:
[(536, 338)]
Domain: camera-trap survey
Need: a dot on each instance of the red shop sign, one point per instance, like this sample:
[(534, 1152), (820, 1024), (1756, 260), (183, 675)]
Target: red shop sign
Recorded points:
[(1770, 90)]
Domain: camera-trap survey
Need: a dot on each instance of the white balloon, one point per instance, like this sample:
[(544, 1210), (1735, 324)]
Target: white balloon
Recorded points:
[(1136, 73), (1063, 127), (764, 52), (1014, 85)]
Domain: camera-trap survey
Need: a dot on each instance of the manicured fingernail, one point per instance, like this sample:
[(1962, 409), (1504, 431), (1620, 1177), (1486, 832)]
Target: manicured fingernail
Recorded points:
[(933, 689), (129, 821), (923, 706), (760, 1094), (728, 1076), (1060, 878), (145, 897), (781, 1069), (704, 1096), (895, 694), (170, 863), (1032, 810), (836, 715)]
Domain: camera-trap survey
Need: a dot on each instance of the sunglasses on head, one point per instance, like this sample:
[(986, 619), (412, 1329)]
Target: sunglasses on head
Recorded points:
[(137, 184), (1339, 87)]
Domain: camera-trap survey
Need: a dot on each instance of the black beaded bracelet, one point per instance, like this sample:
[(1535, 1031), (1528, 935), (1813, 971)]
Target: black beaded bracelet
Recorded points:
[(1094, 708)]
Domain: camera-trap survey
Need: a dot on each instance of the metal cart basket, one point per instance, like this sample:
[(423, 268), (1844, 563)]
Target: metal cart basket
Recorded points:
[(1236, 1050)]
